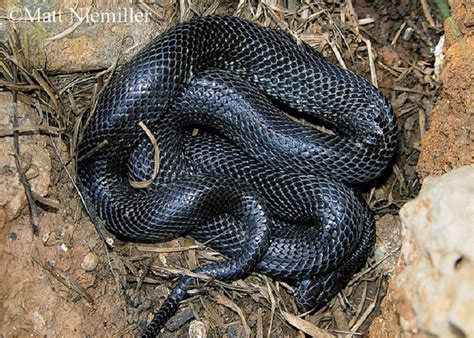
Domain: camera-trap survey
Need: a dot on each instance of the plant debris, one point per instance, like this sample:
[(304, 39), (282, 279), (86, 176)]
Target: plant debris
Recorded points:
[(390, 45)]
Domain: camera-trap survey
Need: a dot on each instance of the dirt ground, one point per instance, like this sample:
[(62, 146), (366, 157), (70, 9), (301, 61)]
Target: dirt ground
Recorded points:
[(65, 281), (448, 143)]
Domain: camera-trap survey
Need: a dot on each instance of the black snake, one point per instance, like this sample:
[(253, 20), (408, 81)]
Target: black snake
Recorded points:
[(271, 194)]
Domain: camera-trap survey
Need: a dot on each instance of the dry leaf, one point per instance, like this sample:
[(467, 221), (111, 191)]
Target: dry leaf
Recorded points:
[(306, 326)]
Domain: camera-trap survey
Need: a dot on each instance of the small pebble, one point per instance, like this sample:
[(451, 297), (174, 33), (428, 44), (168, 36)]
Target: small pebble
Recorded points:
[(407, 34), (90, 261), (197, 329)]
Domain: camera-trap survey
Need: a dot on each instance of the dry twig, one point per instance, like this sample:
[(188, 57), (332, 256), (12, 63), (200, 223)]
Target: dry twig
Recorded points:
[(65, 280), (32, 208)]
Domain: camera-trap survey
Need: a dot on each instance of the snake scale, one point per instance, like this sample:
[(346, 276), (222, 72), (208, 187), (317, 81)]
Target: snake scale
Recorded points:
[(270, 194)]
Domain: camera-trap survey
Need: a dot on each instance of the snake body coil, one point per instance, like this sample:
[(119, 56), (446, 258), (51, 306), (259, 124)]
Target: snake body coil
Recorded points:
[(269, 193)]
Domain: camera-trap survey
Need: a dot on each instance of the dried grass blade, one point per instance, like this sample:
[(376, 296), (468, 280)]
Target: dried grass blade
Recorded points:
[(234, 307), (306, 326)]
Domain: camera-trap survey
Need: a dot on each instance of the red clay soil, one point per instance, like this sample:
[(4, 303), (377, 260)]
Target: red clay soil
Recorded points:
[(448, 142)]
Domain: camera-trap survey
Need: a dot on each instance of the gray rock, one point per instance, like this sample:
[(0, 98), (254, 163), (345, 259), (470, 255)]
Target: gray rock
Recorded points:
[(180, 319), (68, 38), (432, 289)]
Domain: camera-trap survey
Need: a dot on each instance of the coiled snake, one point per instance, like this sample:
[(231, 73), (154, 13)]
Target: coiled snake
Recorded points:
[(271, 194)]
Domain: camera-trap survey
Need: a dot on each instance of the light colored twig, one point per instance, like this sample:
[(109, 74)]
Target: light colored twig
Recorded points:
[(426, 12), (156, 160), (71, 28)]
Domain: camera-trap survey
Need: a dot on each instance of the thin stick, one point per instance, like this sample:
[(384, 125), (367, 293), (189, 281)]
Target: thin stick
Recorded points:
[(371, 268), (71, 28), (168, 250), (19, 87), (259, 322), (426, 12), (227, 302), (369, 309), (156, 160), (41, 129), (273, 307), (32, 208), (397, 35), (336, 53), (65, 280), (141, 280), (408, 90), (373, 73), (422, 122), (360, 306)]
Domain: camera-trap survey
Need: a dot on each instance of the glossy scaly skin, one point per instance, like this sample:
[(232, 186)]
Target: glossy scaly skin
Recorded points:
[(268, 193)]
